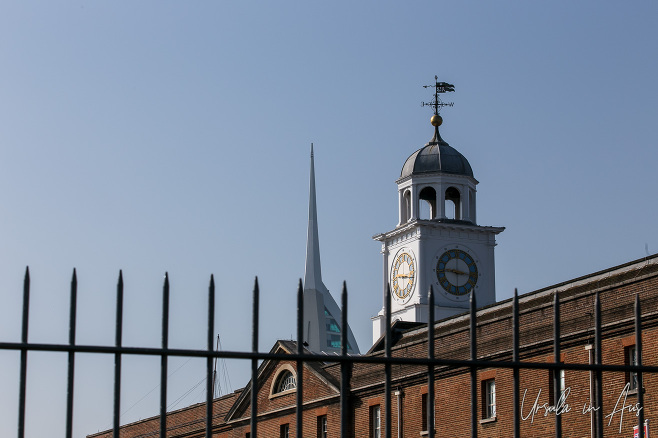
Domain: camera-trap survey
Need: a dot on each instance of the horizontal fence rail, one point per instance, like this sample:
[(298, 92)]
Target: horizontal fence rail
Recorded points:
[(431, 361)]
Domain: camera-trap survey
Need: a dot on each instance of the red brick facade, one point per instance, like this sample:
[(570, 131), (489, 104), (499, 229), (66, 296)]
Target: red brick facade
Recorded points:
[(617, 288)]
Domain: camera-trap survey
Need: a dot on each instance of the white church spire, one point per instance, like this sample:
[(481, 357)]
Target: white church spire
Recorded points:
[(313, 273), (322, 325)]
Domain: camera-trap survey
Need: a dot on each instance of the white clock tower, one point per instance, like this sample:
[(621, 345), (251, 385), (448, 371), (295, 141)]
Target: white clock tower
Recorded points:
[(437, 241)]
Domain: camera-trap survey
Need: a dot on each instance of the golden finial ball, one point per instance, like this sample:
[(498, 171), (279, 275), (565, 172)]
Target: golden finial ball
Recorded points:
[(436, 120)]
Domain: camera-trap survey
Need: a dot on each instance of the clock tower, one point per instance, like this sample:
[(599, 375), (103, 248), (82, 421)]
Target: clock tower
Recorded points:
[(437, 241)]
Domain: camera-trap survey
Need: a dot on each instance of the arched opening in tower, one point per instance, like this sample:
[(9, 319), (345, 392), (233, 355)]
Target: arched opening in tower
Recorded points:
[(453, 203), (428, 207)]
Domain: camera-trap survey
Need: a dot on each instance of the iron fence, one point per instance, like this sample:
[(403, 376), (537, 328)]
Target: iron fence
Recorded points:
[(346, 361)]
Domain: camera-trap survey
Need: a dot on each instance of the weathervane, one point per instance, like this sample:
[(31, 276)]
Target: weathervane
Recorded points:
[(439, 87)]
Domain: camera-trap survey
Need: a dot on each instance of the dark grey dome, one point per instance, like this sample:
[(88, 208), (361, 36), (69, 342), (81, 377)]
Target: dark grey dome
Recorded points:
[(437, 156)]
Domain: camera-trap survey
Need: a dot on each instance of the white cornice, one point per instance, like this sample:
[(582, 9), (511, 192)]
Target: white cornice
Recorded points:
[(437, 225)]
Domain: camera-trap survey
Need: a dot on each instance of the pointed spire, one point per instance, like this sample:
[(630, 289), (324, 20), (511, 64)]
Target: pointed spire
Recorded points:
[(313, 274)]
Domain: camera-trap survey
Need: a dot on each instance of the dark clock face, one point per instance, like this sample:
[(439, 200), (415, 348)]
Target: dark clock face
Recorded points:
[(457, 272)]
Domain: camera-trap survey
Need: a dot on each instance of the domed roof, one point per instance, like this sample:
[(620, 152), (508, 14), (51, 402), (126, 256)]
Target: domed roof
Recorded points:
[(437, 156)]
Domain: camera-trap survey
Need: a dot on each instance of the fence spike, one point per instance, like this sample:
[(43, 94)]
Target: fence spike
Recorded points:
[(515, 359), (118, 340), (557, 353), (210, 384), (473, 348), (344, 368), (23, 364), (165, 356), (387, 365), (430, 367), (71, 356), (300, 364), (254, 362), (597, 361), (638, 362)]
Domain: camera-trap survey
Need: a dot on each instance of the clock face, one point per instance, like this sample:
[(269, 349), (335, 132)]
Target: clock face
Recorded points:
[(457, 272), (403, 276)]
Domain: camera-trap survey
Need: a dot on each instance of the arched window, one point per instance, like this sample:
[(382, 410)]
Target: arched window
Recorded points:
[(427, 208), (453, 203), (285, 381), (406, 206), (471, 206)]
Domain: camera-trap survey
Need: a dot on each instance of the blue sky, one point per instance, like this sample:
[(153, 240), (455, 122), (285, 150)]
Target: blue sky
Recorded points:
[(174, 136)]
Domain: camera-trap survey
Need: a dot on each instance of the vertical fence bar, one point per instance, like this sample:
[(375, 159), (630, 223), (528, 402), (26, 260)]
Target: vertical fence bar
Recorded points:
[(254, 362), (430, 367), (23, 370), (515, 359), (387, 366), (164, 358), (474, 356), (557, 388), (638, 361), (598, 361), (117, 357), (211, 336), (344, 368), (300, 364), (71, 362)]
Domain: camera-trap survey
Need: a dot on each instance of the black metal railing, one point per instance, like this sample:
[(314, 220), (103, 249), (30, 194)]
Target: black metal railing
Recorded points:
[(345, 360)]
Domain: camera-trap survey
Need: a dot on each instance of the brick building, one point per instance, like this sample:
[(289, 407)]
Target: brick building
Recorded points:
[(616, 287), (443, 247)]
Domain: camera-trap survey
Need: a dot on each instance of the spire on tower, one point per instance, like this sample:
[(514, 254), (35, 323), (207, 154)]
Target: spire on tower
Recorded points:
[(313, 273), (322, 325)]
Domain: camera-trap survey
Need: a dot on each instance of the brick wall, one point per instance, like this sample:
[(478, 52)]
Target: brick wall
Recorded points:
[(617, 289)]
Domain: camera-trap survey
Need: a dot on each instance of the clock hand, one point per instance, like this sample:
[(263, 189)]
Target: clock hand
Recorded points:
[(456, 271)]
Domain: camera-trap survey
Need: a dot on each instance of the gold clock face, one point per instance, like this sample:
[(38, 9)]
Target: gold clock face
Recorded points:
[(403, 276), (457, 272)]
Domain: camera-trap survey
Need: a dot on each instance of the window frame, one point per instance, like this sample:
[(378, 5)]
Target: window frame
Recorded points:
[(630, 359), (489, 399), (284, 372), (423, 412), (322, 426), (552, 397), (375, 421), (284, 430)]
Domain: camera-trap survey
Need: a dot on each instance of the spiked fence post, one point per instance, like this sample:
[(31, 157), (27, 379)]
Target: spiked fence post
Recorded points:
[(474, 356), (387, 365), (164, 357), (515, 359), (430, 367), (118, 336), (598, 361), (23, 365), (254, 362), (71, 354), (557, 388), (300, 363), (638, 355), (209, 360)]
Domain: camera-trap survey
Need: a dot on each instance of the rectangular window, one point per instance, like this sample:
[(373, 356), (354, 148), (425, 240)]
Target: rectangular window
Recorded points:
[(375, 422), (488, 398), (322, 426), (284, 430), (423, 412), (631, 359), (552, 398)]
